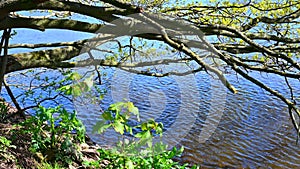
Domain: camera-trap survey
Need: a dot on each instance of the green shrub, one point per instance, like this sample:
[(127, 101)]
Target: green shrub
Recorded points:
[(138, 152), (54, 133)]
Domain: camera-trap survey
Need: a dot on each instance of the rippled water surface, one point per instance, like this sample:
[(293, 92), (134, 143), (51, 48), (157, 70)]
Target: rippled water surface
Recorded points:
[(252, 131)]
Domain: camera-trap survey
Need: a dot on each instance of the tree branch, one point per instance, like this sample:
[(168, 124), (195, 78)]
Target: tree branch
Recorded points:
[(42, 24), (4, 58), (187, 51)]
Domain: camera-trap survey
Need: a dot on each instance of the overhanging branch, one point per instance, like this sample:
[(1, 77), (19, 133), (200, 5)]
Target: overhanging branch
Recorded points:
[(42, 24)]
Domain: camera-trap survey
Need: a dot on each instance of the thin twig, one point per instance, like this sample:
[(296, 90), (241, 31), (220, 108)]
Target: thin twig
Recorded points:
[(14, 100)]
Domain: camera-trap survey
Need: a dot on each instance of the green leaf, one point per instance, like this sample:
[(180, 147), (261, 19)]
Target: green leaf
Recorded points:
[(107, 115), (100, 127), (144, 126), (145, 138), (143, 135), (128, 129), (116, 106), (129, 164), (159, 129), (119, 127), (133, 109), (75, 76), (76, 90), (66, 89)]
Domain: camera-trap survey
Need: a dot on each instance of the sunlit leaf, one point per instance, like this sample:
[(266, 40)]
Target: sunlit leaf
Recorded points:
[(100, 127), (119, 127)]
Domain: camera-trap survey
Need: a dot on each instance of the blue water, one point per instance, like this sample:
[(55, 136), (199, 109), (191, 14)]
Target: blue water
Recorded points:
[(254, 129)]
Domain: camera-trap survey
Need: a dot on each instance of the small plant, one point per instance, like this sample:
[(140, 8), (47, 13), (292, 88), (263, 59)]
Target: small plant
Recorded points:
[(138, 152), (4, 145), (117, 116), (3, 111), (50, 166), (158, 161), (54, 134)]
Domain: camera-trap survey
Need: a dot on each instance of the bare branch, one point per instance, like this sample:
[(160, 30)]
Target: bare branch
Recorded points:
[(4, 58), (42, 24)]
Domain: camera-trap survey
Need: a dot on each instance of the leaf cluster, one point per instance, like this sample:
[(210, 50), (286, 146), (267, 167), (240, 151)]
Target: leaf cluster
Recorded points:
[(54, 133), (159, 161), (139, 150), (77, 88), (4, 145)]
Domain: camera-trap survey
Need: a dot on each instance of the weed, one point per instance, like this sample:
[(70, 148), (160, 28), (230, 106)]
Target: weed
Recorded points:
[(4, 145), (54, 133), (138, 152)]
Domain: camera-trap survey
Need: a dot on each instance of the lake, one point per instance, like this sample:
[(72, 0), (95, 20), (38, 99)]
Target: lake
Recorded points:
[(253, 130), (250, 129)]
